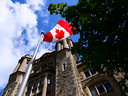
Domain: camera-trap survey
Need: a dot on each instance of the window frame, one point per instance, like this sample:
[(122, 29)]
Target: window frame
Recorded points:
[(95, 86), (89, 71)]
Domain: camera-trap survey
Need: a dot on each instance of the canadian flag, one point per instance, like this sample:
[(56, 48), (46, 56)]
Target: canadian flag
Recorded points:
[(59, 32)]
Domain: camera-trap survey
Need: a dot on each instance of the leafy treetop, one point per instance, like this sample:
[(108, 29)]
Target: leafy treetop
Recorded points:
[(103, 29)]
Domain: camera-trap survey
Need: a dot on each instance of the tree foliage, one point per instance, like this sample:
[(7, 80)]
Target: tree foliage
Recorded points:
[(103, 29)]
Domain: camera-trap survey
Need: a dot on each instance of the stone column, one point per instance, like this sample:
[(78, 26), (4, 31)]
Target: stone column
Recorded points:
[(83, 75), (65, 44), (16, 68), (45, 85), (89, 72), (104, 87), (58, 46), (23, 65), (70, 44), (38, 85), (31, 89), (89, 93)]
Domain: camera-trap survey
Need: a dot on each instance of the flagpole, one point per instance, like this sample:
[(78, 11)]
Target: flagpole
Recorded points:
[(27, 74)]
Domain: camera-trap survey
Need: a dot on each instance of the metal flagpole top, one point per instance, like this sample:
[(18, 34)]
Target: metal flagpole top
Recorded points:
[(42, 33)]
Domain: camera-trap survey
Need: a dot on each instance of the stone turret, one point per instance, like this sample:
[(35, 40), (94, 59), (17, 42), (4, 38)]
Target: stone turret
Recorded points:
[(22, 64), (66, 43), (16, 77)]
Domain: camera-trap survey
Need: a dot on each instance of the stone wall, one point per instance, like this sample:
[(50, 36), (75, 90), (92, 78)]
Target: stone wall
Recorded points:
[(67, 79), (11, 90)]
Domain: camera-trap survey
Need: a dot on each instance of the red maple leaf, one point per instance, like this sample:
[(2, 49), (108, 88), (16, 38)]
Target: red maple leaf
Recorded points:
[(59, 34)]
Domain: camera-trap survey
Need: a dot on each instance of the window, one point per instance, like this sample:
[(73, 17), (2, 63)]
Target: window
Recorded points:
[(64, 67), (92, 72), (89, 73), (42, 82), (25, 66), (61, 46), (99, 89), (30, 87), (36, 84), (94, 93), (108, 86), (49, 81), (68, 45)]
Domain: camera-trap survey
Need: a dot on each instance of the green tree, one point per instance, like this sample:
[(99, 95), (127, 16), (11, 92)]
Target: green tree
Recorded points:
[(103, 29)]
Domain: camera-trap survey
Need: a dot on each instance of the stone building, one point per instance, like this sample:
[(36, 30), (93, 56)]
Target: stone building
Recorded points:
[(59, 73)]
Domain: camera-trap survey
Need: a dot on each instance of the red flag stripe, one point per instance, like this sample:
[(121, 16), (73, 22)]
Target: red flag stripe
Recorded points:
[(48, 37), (66, 25)]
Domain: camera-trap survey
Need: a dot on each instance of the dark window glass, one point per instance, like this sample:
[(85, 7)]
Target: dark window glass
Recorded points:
[(49, 81), (94, 93), (61, 46), (35, 85), (92, 72), (42, 82), (87, 74), (100, 89), (30, 87), (108, 86), (63, 66)]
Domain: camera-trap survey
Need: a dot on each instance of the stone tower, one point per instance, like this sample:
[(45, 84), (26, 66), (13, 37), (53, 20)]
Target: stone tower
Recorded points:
[(59, 73), (67, 77)]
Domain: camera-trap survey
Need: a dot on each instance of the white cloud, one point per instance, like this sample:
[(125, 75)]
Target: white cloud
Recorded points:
[(36, 4), (18, 33)]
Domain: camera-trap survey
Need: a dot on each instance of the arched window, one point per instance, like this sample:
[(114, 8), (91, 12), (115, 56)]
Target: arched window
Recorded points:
[(102, 89)]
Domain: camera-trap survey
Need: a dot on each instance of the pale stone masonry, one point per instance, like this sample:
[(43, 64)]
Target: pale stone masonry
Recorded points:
[(59, 73)]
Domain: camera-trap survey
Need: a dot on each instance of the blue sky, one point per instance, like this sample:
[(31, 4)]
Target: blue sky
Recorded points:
[(21, 22)]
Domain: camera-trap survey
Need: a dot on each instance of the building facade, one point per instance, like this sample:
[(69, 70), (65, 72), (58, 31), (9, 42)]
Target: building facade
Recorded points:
[(59, 73)]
